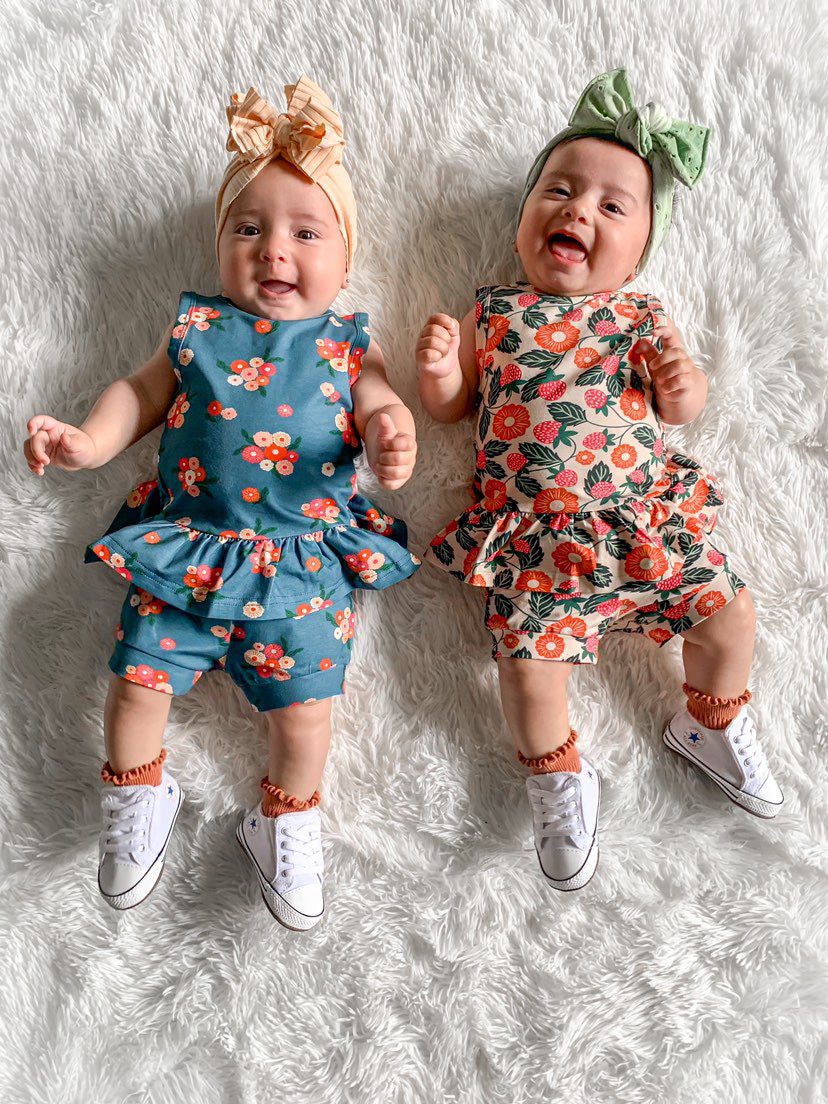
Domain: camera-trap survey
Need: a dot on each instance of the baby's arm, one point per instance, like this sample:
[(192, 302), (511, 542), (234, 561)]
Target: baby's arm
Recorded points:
[(384, 422), (447, 367), (126, 410), (680, 388)]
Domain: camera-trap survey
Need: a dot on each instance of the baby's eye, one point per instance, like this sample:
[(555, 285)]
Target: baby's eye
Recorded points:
[(558, 191), (306, 235), (248, 230), (613, 209)]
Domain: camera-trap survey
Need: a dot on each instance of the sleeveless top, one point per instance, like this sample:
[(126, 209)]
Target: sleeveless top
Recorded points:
[(254, 510), (566, 429)]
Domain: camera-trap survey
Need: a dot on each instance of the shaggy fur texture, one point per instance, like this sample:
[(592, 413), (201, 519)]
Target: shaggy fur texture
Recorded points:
[(693, 967)]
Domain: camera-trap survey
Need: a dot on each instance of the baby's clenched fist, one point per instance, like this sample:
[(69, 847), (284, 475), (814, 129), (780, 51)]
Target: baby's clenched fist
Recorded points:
[(437, 347)]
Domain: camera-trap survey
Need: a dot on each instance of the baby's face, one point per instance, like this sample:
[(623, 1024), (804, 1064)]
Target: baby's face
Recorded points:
[(587, 220), (281, 252)]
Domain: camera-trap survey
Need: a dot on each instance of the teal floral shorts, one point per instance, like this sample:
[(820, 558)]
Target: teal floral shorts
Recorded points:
[(298, 658)]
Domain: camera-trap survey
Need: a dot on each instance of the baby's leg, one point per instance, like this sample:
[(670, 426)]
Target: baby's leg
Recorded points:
[(717, 656), (299, 739), (533, 693), (134, 720)]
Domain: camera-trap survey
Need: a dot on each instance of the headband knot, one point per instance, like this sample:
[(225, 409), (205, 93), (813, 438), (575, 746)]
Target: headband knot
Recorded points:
[(636, 127), (309, 133)]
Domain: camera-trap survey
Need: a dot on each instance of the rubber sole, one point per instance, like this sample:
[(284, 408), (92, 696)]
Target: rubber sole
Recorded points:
[(756, 806), (301, 923)]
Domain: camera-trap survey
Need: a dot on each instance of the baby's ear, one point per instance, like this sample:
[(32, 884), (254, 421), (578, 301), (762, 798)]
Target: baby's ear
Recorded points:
[(345, 280)]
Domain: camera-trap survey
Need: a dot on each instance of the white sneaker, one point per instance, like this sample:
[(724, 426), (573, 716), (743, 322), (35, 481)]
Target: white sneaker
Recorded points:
[(565, 815), (286, 852), (137, 826), (731, 756)]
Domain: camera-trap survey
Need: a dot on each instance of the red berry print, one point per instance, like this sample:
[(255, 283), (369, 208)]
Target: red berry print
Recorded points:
[(547, 431), (595, 398), (552, 391), (527, 300)]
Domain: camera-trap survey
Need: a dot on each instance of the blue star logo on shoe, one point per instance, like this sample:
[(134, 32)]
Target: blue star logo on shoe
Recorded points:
[(694, 738), (170, 791), (253, 824)]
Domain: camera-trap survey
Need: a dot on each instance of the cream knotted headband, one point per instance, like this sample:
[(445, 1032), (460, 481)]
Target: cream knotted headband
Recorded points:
[(308, 134)]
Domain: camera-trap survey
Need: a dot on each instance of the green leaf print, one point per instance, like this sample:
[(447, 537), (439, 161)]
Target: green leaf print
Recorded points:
[(466, 541), (600, 577), (503, 580), (542, 605), (496, 448), (535, 554), (591, 375), (496, 470), (527, 485), (500, 306), (645, 435), (485, 421), (615, 384), (698, 575), (567, 412), (618, 343), (444, 552), (598, 473), (617, 546), (539, 455), (522, 653), (539, 358), (502, 605), (685, 542), (531, 388), (534, 318), (510, 342), (602, 315)]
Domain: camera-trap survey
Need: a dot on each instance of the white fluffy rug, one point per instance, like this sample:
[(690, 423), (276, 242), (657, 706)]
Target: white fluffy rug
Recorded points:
[(693, 968)]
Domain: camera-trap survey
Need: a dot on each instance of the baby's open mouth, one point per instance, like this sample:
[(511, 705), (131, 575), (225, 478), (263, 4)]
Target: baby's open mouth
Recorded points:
[(276, 288), (564, 247)]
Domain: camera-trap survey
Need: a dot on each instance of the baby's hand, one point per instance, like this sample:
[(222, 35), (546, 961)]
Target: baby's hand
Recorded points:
[(58, 443), (437, 347), (390, 454), (673, 373)]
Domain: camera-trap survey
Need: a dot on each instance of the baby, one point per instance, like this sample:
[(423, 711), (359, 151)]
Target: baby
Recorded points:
[(244, 550), (581, 520)]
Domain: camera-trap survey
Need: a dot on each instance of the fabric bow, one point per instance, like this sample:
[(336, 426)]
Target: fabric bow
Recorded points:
[(309, 133), (606, 107)]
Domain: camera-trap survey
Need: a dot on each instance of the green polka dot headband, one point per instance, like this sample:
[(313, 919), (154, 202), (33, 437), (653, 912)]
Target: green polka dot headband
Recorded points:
[(674, 150)]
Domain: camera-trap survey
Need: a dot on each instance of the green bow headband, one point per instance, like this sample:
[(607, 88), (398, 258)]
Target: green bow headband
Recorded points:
[(673, 149)]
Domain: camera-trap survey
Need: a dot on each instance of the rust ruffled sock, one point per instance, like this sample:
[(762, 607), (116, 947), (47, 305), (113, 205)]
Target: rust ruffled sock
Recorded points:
[(713, 712), (147, 775), (564, 758), (276, 801)]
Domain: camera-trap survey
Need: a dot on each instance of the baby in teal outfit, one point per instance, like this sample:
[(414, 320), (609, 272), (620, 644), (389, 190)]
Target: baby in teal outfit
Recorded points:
[(244, 550)]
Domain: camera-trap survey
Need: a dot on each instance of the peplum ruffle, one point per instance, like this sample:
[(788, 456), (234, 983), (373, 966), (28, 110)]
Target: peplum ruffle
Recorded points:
[(654, 539), (246, 575)]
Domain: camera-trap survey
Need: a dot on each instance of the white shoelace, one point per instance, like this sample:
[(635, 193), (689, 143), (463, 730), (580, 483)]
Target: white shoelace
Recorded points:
[(126, 823), (748, 748), (558, 814), (300, 851)]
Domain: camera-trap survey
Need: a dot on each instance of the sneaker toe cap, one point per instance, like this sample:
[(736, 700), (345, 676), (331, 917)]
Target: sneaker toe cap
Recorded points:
[(306, 899), (769, 791), (562, 863), (115, 878)]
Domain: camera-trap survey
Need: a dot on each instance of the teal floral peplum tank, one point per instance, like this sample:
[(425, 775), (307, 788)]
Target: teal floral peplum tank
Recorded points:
[(255, 511)]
